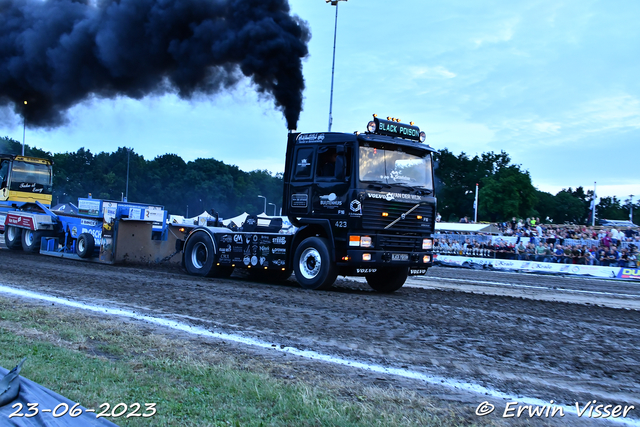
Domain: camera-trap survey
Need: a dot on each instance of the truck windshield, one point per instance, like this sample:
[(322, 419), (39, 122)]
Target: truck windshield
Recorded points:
[(29, 175), (395, 167)]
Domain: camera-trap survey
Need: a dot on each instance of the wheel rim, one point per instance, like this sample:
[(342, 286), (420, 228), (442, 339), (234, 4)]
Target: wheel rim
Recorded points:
[(199, 255), (11, 233), (28, 237), (310, 263), (81, 245)]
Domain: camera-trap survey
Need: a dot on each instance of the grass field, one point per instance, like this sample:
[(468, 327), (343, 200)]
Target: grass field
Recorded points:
[(94, 360)]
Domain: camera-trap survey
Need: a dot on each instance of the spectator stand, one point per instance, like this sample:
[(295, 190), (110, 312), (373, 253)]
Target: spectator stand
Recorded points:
[(456, 244)]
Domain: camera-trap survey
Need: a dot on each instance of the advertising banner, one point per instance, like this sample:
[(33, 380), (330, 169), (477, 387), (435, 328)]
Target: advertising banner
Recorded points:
[(544, 267)]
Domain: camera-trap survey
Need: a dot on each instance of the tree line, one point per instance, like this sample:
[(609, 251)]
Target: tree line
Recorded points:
[(183, 188), (506, 191), (189, 188)]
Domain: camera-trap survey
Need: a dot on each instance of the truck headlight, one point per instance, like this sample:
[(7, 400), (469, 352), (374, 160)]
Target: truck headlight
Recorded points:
[(360, 241), (427, 244)]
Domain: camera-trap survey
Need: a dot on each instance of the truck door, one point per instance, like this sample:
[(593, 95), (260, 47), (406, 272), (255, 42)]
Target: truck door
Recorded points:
[(4, 179), (332, 179), (301, 180)]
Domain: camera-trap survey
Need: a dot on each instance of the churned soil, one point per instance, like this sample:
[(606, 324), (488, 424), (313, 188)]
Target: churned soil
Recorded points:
[(542, 348)]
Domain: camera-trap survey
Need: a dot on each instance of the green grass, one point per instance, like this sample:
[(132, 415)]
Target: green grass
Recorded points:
[(92, 361)]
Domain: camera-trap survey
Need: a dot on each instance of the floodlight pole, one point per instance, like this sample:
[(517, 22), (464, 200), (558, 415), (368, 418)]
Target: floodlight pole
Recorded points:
[(593, 214), (265, 204), (126, 194), (274, 208), (475, 206), (631, 208), (333, 66)]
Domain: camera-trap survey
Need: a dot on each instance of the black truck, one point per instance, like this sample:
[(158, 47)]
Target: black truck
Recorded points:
[(363, 204)]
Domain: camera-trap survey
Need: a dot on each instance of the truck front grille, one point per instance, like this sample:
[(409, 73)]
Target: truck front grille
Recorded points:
[(372, 216), (399, 243)]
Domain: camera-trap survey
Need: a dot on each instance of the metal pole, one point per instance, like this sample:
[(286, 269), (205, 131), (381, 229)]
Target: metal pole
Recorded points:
[(475, 203), (265, 204), (274, 208), (333, 67), (126, 194), (593, 214), (631, 207)]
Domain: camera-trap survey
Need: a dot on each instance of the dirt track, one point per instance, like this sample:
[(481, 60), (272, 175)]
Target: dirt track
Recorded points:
[(549, 350)]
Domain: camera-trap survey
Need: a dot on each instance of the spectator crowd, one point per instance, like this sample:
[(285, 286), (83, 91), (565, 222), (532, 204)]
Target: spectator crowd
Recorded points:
[(529, 240)]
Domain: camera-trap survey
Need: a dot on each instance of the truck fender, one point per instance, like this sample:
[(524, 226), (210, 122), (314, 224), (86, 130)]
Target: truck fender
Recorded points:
[(199, 230)]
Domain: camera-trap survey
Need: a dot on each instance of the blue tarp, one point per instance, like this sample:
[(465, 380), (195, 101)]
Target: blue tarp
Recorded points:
[(31, 392)]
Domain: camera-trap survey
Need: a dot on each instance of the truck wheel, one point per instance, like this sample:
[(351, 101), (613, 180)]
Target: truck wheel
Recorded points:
[(31, 240), (85, 245), (13, 238), (388, 280), (312, 264), (198, 255)]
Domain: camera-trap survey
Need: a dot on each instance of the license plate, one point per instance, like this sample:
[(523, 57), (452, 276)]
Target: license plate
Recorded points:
[(400, 257)]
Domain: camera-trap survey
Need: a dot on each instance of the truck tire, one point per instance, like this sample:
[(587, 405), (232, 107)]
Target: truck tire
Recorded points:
[(13, 238), (31, 240), (85, 245), (312, 264), (388, 280), (199, 254)]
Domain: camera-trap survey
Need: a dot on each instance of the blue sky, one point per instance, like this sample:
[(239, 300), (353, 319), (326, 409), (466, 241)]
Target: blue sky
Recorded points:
[(553, 83)]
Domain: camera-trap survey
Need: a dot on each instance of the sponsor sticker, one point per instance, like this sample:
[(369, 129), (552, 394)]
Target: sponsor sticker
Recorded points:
[(299, 201), (279, 240), (355, 208), (629, 273)]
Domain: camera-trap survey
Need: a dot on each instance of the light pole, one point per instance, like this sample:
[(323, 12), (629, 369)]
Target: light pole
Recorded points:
[(631, 208), (333, 67), (274, 208), (24, 125), (126, 193), (265, 204), (475, 207)]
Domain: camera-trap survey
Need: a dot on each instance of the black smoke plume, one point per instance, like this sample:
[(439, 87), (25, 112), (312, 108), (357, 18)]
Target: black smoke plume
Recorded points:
[(56, 53)]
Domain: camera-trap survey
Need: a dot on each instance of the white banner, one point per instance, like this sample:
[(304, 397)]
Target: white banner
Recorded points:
[(534, 266)]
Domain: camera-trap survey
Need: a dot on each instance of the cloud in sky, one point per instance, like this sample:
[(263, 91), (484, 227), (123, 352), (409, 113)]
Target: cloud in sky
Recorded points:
[(554, 84)]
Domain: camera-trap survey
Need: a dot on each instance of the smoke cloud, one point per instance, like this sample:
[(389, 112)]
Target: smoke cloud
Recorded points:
[(56, 53)]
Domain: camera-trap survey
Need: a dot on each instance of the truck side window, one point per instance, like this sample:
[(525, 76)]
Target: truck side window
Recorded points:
[(4, 174), (327, 162), (303, 164), (333, 163)]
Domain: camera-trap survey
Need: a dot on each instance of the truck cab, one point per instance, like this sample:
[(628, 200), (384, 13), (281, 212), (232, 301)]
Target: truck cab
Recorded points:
[(368, 198), (23, 181)]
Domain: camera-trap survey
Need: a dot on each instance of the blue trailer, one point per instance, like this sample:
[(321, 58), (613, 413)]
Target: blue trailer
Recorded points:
[(87, 231)]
